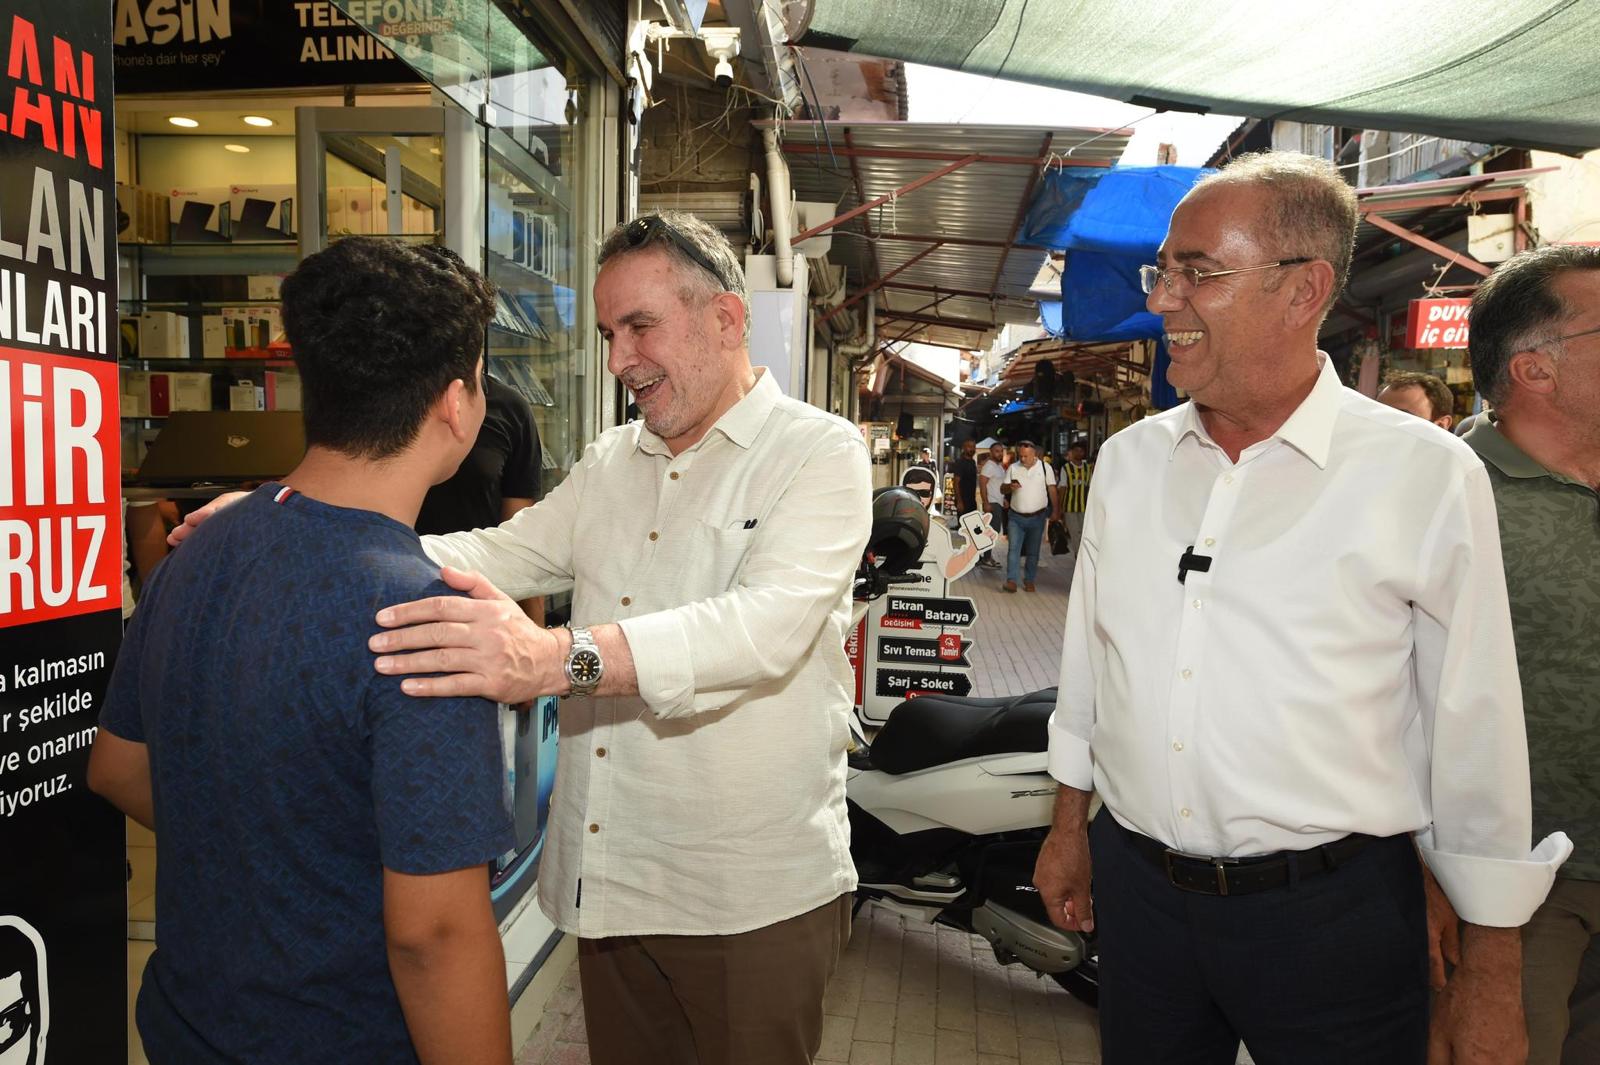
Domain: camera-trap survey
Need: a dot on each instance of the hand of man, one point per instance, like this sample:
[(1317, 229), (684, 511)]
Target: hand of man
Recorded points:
[(1062, 877), (198, 517), (484, 645), (1478, 1020), (1444, 931)]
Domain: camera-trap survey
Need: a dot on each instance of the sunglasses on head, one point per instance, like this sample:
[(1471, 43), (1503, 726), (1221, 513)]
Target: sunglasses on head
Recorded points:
[(645, 228)]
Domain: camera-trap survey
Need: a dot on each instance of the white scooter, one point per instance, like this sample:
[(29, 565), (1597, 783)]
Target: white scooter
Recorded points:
[(950, 801)]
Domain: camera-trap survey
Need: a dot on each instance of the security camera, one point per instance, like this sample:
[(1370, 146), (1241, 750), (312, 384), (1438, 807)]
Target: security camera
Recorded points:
[(722, 44)]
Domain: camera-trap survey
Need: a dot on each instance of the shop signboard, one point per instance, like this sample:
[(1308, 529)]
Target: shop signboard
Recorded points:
[(63, 907), (228, 45), (914, 640), (1437, 323)]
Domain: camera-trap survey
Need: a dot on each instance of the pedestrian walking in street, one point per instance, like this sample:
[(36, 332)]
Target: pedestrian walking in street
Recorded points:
[(990, 476), (1031, 491), (1076, 472)]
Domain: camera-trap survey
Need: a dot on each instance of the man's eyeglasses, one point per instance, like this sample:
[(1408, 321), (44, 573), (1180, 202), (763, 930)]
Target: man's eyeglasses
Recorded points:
[(1181, 281), (923, 493), (1574, 336), (643, 230)]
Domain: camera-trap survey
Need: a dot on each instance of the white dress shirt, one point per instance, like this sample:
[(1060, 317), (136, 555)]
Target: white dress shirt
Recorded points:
[(1345, 665), (714, 801)]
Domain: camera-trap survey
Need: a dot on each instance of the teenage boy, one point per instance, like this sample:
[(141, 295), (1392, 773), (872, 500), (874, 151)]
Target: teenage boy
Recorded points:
[(321, 837)]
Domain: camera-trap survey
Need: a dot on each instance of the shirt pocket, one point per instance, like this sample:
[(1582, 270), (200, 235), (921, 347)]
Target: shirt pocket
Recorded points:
[(710, 558)]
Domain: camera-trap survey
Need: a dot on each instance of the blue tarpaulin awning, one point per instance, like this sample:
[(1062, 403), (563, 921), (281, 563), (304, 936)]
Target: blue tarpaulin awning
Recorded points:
[(1108, 224)]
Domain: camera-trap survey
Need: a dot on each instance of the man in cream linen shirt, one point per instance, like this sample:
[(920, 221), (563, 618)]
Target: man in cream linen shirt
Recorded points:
[(1288, 656), (699, 843)]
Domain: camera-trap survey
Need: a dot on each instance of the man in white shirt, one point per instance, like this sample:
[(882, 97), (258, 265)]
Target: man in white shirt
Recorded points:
[(699, 842), (990, 476), (1030, 490), (1288, 667)]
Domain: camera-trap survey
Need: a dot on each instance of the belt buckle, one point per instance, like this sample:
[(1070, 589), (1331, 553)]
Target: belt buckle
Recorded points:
[(1218, 864)]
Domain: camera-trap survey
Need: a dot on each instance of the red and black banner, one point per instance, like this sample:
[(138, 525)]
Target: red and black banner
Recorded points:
[(63, 908)]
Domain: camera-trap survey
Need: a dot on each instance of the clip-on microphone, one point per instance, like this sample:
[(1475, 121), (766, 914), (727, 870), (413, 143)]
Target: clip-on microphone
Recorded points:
[(1192, 561)]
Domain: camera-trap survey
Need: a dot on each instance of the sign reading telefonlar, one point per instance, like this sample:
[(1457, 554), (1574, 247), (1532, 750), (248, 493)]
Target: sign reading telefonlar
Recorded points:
[(1437, 323)]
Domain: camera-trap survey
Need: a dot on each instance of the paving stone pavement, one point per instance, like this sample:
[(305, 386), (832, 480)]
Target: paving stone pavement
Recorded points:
[(1016, 641), (905, 993)]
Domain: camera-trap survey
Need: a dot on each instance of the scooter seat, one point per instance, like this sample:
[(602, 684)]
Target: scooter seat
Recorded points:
[(932, 730)]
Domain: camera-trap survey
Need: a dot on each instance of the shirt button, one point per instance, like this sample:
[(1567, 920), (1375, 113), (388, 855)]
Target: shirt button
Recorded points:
[(1181, 813), (1211, 541), (1186, 674), (1227, 478), (1197, 604), (673, 475), (596, 828), (627, 600), (1177, 745), (655, 536), (599, 752)]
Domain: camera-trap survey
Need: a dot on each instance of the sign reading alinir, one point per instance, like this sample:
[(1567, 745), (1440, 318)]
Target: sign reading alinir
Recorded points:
[(63, 908)]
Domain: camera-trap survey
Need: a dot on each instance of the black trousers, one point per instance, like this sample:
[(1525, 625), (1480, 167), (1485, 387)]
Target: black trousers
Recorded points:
[(1330, 971)]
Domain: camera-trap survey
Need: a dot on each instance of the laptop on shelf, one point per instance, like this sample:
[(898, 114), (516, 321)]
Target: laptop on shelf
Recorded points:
[(222, 446)]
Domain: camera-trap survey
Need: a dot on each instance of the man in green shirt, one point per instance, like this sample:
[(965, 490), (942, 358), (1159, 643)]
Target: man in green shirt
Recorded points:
[(1535, 344)]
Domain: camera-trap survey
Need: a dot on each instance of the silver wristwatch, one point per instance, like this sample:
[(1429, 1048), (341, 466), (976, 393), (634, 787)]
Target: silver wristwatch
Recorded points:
[(583, 667)]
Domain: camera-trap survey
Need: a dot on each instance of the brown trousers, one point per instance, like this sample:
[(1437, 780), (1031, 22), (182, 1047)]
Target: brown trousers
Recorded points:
[(749, 999), (1561, 975)]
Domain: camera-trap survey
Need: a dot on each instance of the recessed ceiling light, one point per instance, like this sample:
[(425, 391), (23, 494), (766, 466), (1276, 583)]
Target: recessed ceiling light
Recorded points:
[(257, 120), (236, 148), (179, 120)]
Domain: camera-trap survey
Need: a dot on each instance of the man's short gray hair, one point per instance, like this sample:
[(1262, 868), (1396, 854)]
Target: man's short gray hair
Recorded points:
[(1516, 309), (706, 239), (1311, 211)]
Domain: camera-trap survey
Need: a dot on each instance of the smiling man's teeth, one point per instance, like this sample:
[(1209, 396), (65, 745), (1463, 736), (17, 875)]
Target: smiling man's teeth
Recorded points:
[(1185, 337)]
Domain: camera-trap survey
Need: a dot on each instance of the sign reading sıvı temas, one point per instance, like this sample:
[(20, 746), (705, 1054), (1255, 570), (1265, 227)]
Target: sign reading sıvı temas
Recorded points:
[(63, 908)]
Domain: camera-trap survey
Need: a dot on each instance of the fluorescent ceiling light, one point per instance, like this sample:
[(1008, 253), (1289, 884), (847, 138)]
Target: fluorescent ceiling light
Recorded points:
[(257, 120), (236, 148), (179, 120)]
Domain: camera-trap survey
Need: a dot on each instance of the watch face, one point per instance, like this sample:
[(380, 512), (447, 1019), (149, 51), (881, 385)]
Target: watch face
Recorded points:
[(584, 667)]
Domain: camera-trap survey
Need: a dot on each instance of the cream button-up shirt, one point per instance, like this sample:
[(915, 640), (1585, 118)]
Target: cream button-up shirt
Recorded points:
[(714, 801), (1345, 665)]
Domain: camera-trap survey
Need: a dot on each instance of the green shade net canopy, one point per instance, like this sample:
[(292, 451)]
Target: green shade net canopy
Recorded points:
[(1524, 73)]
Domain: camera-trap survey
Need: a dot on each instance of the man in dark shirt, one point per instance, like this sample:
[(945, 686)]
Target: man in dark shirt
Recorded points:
[(966, 470), (499, 476), (321, 836)]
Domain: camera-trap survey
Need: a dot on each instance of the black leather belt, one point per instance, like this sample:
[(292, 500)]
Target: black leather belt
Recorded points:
[(1028, 513), (1245, 876)]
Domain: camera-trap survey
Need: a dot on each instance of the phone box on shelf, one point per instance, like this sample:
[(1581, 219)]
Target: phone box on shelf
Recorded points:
[(249, 330), (163, 335), (213, 337), (201, 215), (142, 215), (190, 391), (282, 390), (134, 389), (262, 212), (245, 395), (264, 286)]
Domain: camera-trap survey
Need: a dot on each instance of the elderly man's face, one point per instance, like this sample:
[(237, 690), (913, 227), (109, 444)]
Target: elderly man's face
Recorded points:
[(1577, 367), (1028, 456), (1228, 329), (668, 352)]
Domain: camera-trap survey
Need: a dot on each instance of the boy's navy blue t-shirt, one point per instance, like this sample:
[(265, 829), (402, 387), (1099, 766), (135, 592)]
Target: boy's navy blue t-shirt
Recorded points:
[(287, 774)]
